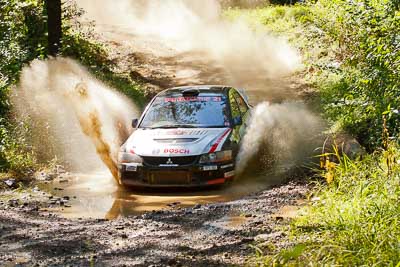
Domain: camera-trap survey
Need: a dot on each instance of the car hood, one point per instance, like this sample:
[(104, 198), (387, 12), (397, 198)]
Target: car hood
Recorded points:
[(176, 142)]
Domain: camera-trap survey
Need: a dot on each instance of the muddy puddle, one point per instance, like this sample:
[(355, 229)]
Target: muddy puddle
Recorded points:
[(97, 196)]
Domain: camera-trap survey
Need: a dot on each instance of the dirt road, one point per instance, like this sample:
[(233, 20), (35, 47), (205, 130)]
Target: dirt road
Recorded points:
[(159, 65), (217, 234)]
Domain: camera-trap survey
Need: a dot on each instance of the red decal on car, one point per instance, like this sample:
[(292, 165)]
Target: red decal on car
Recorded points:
[(193, 98), (215, 145)]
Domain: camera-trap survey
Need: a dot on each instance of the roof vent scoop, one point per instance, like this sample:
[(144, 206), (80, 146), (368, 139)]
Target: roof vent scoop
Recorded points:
[(191, 92)]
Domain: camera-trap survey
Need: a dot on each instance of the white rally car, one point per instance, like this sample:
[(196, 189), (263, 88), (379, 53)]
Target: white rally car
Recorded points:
[(187, 136)]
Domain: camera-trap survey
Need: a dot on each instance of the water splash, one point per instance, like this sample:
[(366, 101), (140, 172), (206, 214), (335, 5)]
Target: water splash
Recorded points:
[(279, 133), (85, 116)]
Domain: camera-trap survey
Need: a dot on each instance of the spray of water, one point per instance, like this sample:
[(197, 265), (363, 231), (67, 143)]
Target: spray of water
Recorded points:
[(248, 56), (279, 133), (244, 53), (83, 114)]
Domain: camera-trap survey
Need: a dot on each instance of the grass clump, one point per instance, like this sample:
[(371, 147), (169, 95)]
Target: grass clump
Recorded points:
[(353, 220)]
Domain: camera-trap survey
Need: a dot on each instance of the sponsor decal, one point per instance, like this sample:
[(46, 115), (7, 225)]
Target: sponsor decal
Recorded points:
[(193, 99), (210, 168), (227, 166), (176, 151), (178, 132), (229, 174)]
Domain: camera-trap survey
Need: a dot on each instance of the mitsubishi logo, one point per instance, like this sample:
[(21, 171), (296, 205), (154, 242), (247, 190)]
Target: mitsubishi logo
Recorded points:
[(169, 161)]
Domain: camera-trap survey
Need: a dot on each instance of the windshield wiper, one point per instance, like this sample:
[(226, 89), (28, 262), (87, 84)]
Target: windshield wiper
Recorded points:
[(169, 126)]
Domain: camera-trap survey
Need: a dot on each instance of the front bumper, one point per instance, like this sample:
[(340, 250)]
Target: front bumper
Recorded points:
[(196, 175)]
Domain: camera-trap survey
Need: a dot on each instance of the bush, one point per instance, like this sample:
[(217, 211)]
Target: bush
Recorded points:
[(367, 32), (22, 38), (15, 155)]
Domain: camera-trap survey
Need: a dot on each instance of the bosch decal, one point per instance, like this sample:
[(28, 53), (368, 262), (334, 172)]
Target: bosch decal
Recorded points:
[(176, 151)]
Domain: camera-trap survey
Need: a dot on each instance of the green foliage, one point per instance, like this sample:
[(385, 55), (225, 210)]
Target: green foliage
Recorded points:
[(22, 38), (15, 154), (369, 47), (21, 28)]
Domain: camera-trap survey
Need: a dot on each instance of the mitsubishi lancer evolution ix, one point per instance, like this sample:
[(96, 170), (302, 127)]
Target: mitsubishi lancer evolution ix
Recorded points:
[(187, 136)]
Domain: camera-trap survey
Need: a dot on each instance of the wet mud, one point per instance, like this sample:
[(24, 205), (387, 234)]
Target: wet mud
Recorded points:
[(216, 234), (97, 196)]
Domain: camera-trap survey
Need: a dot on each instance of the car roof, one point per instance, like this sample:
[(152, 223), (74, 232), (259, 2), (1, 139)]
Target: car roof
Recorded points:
[(205, 88), (200, 88)]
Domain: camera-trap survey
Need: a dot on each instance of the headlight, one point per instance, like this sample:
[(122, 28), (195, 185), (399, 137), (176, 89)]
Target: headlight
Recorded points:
[(216, 156), (124, 157)]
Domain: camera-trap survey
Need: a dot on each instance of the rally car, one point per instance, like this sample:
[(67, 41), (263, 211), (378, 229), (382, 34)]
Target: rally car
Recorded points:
[(187, 136)]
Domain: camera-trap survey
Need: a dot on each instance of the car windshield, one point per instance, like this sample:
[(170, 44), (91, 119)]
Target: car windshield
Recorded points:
[(203, 110)]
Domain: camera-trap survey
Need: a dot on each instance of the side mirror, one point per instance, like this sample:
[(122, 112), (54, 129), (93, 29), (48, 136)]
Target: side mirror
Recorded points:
[(134, 123), (237, 121)]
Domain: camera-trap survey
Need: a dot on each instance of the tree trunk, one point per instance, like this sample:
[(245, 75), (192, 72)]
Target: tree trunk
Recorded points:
[(53, 8)]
